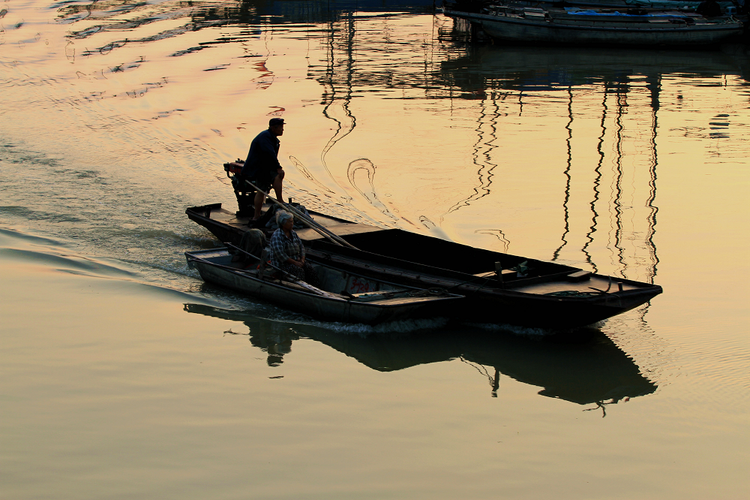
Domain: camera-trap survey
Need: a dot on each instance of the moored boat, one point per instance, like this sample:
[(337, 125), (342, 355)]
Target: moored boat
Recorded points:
[(519, 23), (337, 295)]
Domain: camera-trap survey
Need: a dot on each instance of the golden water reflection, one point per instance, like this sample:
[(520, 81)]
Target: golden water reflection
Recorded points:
[(116, 116), (394, 119)]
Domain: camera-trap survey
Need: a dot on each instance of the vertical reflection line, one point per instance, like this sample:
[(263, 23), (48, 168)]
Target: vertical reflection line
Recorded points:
[(566, 172), (597, 184), (656, 89), (329, 96), (341, 131), (619, 175), (482, 151)]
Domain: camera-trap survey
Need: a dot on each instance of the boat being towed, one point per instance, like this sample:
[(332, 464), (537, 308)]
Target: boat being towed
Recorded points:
[(498, 288), (339, 295)]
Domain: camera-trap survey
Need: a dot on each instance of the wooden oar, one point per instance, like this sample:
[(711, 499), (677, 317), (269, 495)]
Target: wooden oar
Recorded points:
[(289, 276), (335, 238)]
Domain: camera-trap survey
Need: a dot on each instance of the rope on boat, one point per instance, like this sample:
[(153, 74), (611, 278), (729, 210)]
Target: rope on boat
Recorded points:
[(287, 275), (573, 293), (486, 279)]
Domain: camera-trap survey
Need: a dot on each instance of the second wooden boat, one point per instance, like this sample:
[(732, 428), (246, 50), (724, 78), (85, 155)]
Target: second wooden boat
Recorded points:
[(338, 296)]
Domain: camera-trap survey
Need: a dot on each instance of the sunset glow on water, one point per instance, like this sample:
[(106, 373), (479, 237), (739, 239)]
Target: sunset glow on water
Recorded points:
[(124, 375)]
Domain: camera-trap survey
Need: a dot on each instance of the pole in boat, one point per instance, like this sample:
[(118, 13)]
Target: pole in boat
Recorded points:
[(335, 238)]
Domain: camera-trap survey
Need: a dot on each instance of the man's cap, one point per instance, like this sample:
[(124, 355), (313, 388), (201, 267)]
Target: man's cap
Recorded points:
[(275, 121)]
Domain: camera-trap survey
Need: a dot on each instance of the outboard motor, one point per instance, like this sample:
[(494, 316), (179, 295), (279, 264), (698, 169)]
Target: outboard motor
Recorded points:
[(243, 191)]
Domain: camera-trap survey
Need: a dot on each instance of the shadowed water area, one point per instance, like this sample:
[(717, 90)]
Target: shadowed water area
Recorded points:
[(123, 375)]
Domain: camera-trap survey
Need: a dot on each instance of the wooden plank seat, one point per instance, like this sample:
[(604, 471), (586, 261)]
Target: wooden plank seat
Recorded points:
[(579, 276)]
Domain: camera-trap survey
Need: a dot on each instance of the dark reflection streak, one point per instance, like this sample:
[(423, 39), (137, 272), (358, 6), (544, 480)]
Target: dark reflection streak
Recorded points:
[(482, 152), (330, 99), (566, 199), (491, 146), (493, 380), (621, 105), (601, 405), (331, 83), (597, 184), (476, 155), (331, 96), (655, 90)]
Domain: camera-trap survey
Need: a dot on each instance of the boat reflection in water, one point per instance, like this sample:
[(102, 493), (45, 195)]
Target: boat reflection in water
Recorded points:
[(594, 371)]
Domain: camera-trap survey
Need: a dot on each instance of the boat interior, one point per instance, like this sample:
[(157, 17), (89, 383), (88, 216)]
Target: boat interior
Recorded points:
[(420, 254), (329, 281)]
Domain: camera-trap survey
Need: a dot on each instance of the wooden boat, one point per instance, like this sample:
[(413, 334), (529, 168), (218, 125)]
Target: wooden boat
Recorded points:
[(727, 6), (498, 288), (520, 23), (340, 296)]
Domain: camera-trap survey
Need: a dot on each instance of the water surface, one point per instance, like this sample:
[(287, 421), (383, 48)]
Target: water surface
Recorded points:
[(124, 375)]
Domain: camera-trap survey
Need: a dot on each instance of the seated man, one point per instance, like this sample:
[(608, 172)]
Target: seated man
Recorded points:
[(288, 252), (262, 166)]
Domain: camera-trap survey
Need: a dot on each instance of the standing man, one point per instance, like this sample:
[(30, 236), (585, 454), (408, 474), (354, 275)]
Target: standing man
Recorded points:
[(262, 165)]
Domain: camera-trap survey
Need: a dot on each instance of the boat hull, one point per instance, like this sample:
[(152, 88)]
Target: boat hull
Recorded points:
[(588, 31), (550, 295), (214, 266), (550, 302)]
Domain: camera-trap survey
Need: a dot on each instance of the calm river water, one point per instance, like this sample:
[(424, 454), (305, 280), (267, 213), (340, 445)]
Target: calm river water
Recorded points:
[(123, 376)]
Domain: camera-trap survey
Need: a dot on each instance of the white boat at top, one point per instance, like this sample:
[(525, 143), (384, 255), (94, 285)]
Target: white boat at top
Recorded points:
[(600, 26)]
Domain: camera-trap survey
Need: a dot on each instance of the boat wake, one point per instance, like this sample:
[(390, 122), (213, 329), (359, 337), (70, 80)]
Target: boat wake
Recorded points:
[(387, 328), (574, 334), (253, 312), (35, 254), (47, 253)]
